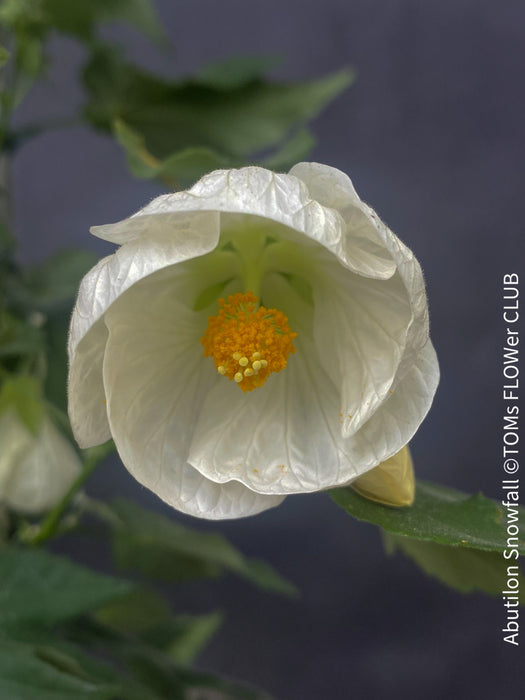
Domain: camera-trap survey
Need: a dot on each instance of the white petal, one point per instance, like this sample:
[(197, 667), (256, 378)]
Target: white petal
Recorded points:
[(360, 329), (155, 220), (284, 437), (280, 439), (86, 397), (397, 420), (276, 197), (154, 398), (44, 473), (187, 490), (334, 189), (159, 247)]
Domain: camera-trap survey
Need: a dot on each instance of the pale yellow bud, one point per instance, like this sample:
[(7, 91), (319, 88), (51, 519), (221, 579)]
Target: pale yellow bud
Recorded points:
[(391, 483)]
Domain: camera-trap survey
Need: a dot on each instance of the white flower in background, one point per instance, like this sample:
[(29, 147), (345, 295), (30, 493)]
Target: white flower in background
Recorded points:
[(35, 470), (256, 336)]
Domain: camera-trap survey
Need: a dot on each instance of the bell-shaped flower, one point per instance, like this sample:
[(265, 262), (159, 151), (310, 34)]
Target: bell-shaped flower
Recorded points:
[(256, 336), (36, 469)]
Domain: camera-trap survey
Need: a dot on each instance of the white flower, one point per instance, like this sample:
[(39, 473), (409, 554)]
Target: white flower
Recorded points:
[(35, 470), (344, 328)]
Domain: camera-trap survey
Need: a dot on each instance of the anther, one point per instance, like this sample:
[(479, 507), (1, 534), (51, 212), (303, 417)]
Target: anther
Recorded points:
[(241, 334)]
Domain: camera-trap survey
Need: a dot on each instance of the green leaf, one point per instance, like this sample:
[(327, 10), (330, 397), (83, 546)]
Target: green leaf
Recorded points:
[(193, 632), (20, 12), (7, 242), (155, 669), (39, 587), (179, 169), (439, 514), (201, 684), (458, 567), (4, 525), (55, 386), (135, 613), (19, 338), (236, 123), (159, 547), (28, 673), (146, 616), (22, 394), (294, 151), (24, 21), (53, 284), (57, 651), (4, 56), (236, 71), (81, 19)]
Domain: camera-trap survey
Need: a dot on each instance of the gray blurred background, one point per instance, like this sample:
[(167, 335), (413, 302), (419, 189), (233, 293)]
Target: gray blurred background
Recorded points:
[(432, 136)]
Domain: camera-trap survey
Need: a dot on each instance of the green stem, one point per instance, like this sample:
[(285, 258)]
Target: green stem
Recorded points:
[(49, 525)]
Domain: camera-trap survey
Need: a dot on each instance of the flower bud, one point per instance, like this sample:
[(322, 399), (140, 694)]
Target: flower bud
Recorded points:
[(36, 470), (391, 482)]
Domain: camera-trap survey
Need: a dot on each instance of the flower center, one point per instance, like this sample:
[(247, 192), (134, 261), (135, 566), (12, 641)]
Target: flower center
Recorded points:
[(247, 341)]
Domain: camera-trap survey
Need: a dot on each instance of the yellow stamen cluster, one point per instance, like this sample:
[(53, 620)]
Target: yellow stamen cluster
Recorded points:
[(247, 341)]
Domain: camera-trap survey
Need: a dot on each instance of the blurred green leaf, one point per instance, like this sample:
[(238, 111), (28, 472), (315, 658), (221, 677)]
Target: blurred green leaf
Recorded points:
[(179, 169), (21, 12), (22, 394), (5, 524), (206, 686), (30, 673), (155, 669), (44, 294), (19, 338), (4, 56), (136, 613), (52, 285), (24, 21), (187, 166), (55, 385), (159, 547), (7, 242), (439, 514), (39, 587), (236, 71), (31, 22), (236, 123), (193, 632), (81, 19), (458, 567), (52, 649), (147, 617), (294, 151)]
